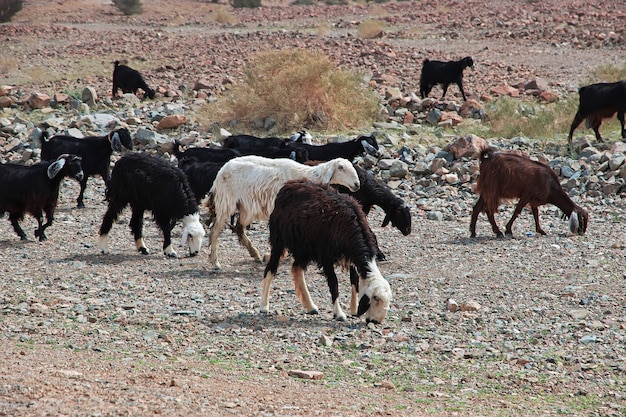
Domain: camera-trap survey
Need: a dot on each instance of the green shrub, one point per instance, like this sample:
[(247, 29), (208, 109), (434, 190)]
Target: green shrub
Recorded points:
[(8, 8), (240, 4), (129, 7), (298, 89)]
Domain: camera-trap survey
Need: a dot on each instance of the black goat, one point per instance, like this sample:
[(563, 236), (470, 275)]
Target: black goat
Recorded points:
[(348, 150), (254, 142), (445, 73), (129, 80), (146, 182), (597, 102), (298, 155), (318, 224), (35, 189), (375, 193), (201, 175), (507, 176), (95, 152), (201, 154)]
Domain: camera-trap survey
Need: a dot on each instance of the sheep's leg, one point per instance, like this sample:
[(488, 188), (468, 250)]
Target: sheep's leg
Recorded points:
[(15, 218), (479, 207), (333, 285), (445, 90), (620, 117), (109, 217), (578, 119), (538, 228), (240, 229), (42, 227), (460, 84), (166, 225), (136, 226), (354, 284), (302, 291), (596, 129), (518, 209), (268, 277), (214, 233), (81, 194)]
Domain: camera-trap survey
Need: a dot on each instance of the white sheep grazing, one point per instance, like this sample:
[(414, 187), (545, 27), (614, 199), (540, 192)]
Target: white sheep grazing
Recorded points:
[(249, 185)]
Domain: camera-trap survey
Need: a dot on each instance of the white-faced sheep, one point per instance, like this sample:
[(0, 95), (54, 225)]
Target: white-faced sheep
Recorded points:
[(249, 185), (251, 141), (445, 73), (146, 182), (35, 189), (317, 224), (347, 150), (597, 102), (95, 152), (507, 176), (129, 80)]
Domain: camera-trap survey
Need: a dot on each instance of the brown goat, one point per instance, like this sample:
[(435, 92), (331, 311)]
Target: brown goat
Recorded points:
[(507, 176)]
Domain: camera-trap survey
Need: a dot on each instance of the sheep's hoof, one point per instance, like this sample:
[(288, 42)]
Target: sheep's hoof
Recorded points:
[(313, 312), (266, 258), (340, 317), (264, 311), (499, 235), (80, 205), (144, 251), (171, 255)]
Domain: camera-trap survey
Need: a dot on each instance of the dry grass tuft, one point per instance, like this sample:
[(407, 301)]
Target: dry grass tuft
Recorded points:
[(298, 89), (224, 17), (370, 29), (8, 64)]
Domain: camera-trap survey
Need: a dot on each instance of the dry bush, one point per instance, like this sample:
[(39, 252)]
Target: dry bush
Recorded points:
[(129, 7), (608, 73), (224, 17), (8, 64), (298, 89), (378, 10), (370, 29), (323, 29)]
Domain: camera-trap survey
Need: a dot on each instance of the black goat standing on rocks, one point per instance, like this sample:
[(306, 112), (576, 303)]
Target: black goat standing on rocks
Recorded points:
[(445, 73), (129, 80)]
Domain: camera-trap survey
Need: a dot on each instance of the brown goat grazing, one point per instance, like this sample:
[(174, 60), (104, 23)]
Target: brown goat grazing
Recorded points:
[(507, 176)]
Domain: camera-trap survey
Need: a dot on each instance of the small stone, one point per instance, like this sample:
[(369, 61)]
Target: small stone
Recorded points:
[(172, 121), (470, 306), (452, 305), (325, 340), (298, 373)]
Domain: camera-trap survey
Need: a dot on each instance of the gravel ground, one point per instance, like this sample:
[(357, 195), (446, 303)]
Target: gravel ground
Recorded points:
[(543, 326)]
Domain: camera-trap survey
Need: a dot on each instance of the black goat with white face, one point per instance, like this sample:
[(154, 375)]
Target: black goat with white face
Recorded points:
[(129, 80), (35, 190), (444, 73), (95, 152), (347, 150)]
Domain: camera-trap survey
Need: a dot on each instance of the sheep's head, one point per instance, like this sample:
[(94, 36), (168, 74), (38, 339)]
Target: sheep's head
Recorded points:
[(374, 295), (370, 145), (400, 218), (578, 221), (150, 93), (123, 138), (467, 62), (340, 171), (69, 164), (193, 233)]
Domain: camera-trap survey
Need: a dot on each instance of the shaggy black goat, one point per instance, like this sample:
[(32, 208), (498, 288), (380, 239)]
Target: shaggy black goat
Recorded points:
[(445, 73), (250, 141), (375, 193), (597, 102), (201, 175), (95, 152), (348, 150), (507, 176), (129, 81), (146, 182), (318, 224), (35, 189), (201, 154)]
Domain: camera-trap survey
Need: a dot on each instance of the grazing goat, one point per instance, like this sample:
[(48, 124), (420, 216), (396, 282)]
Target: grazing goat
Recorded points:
[(35, 189), (506, 176), (445, 73), (347, 150), (201, 154), (201, 175), (597, 102), (249, 185), (298, 155), (129, 81), (375, 193), (146, 182), (250, 141), (95, 152), (317, 224)]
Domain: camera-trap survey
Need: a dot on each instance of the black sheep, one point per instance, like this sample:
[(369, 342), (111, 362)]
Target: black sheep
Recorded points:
[(129, 80), (35, 189), (317, 224), (375, 193), (597, 102), (445, 73), (202, 154), (250, 141), (348, 150), (298, 155), (201, 175), (146, 182), (95, 152)]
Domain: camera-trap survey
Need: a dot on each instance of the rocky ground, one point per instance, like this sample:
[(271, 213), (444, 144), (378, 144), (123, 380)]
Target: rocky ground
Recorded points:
[(541, 324)]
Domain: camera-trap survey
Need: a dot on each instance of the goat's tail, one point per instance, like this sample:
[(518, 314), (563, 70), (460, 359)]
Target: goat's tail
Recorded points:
[(426, 61), (116, 63), (486, 153)]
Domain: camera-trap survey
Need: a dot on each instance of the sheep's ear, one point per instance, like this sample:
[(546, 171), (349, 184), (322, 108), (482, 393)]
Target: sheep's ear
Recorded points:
[(116, 143), (292, 155), (386, 220), (368, 148), (55, 167), (364, 305), (328, 175), (183, 240)]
